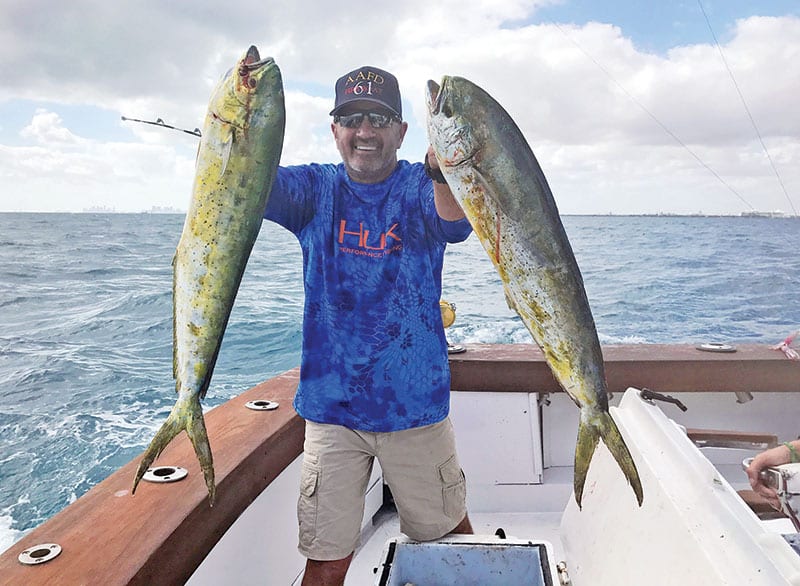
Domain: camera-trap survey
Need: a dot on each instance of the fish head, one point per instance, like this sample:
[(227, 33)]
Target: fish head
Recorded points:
[(453, 138), (252, 73), (245, 88)]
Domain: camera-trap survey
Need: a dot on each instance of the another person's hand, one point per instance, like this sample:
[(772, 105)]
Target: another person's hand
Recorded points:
[(776, 456)]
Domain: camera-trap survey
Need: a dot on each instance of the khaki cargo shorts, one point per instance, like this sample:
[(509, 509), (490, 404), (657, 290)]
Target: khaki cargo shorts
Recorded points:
[(420, 466)]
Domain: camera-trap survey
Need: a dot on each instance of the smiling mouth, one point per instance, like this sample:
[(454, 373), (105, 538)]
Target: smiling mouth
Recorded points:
[(365, 148)]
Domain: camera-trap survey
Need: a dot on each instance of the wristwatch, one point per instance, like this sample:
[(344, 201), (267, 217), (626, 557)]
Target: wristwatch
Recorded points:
[(434, 174)]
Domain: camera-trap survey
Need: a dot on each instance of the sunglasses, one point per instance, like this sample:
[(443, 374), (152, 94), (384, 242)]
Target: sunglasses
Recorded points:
[(376, 119)]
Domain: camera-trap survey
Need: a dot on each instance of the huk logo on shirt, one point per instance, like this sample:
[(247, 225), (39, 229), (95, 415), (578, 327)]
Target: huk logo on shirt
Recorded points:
[(358, 240)]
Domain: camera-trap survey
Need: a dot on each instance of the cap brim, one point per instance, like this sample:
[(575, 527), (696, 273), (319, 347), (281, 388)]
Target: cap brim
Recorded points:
[(340, 107)]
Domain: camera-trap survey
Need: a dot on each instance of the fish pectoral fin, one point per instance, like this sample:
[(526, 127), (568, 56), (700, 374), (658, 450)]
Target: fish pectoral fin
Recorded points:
[(588, 436), (509, 299), (227, 148)]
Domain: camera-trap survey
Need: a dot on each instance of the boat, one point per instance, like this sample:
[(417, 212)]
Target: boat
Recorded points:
[(699, 523)]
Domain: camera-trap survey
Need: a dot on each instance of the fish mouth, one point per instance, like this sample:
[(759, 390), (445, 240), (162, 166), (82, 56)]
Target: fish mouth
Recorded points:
[(440, 102), (436, 95), (252, 60), (250, 69), (441, 97), (433, 97)]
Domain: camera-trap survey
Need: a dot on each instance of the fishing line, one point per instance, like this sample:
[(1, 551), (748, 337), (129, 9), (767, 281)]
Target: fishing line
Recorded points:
[(161, 123), (746, 109), (653, 116)]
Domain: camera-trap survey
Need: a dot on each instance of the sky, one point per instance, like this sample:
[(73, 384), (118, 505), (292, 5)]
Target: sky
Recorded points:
[(668, 106)]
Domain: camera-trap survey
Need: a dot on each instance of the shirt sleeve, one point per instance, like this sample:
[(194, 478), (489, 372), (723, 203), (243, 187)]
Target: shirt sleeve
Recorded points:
[(443, 230), (292, 201), (455, 231)]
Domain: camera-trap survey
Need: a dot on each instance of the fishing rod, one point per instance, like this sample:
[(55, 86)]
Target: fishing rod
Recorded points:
[(747, 110), (160, 122)]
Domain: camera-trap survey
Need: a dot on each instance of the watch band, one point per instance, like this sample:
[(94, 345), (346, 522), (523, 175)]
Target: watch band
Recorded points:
[(434, 174)]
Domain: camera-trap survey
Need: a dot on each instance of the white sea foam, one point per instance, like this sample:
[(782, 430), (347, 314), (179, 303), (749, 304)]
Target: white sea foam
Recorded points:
[(604, 339), (8, 535)]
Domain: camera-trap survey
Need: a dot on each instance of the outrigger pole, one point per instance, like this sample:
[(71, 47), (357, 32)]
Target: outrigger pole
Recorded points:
[(160, 122)]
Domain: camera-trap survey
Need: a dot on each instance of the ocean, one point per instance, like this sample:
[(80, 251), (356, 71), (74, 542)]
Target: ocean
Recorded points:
[(86, 323)]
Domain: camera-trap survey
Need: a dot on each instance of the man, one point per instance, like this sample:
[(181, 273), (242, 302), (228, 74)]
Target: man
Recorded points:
[(374, 379)]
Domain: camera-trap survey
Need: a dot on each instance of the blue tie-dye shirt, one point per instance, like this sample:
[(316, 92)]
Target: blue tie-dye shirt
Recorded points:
[(374, 351)]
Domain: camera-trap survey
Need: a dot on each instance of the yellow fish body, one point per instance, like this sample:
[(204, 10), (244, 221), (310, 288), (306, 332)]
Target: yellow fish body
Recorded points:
[(237, 160), (497, 181)]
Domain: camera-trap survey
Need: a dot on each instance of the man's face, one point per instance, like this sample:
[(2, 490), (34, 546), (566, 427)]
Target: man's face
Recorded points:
[(369, 152)]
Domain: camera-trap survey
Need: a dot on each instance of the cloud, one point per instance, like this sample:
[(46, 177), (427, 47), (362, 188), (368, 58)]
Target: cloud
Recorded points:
[(308, 134), (66, 172), (47, 128), (614, 126)]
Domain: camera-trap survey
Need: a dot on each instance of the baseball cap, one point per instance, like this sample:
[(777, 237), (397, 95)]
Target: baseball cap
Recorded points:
[(368, 84)]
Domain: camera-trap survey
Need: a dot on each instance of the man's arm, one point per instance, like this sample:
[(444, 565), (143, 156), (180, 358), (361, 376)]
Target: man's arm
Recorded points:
[(446, 205)]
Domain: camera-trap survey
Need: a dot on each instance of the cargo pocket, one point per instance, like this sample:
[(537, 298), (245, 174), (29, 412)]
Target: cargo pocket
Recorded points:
[(307, 504), (454, 488)]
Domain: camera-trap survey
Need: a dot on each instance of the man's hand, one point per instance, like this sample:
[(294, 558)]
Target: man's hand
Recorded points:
[(769, 458), (446, 205)]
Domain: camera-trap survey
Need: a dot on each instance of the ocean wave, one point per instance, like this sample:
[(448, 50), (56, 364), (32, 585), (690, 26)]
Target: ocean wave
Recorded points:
[(17, 300)]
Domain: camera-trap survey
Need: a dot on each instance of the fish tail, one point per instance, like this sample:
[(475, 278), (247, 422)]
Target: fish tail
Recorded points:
[(169, 429), (196, 430), (184, 416), (616, 445), (588, 436)]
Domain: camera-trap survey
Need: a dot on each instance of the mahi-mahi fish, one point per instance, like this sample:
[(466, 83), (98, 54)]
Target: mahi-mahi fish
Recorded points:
[(496, 179), (237, 159)]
